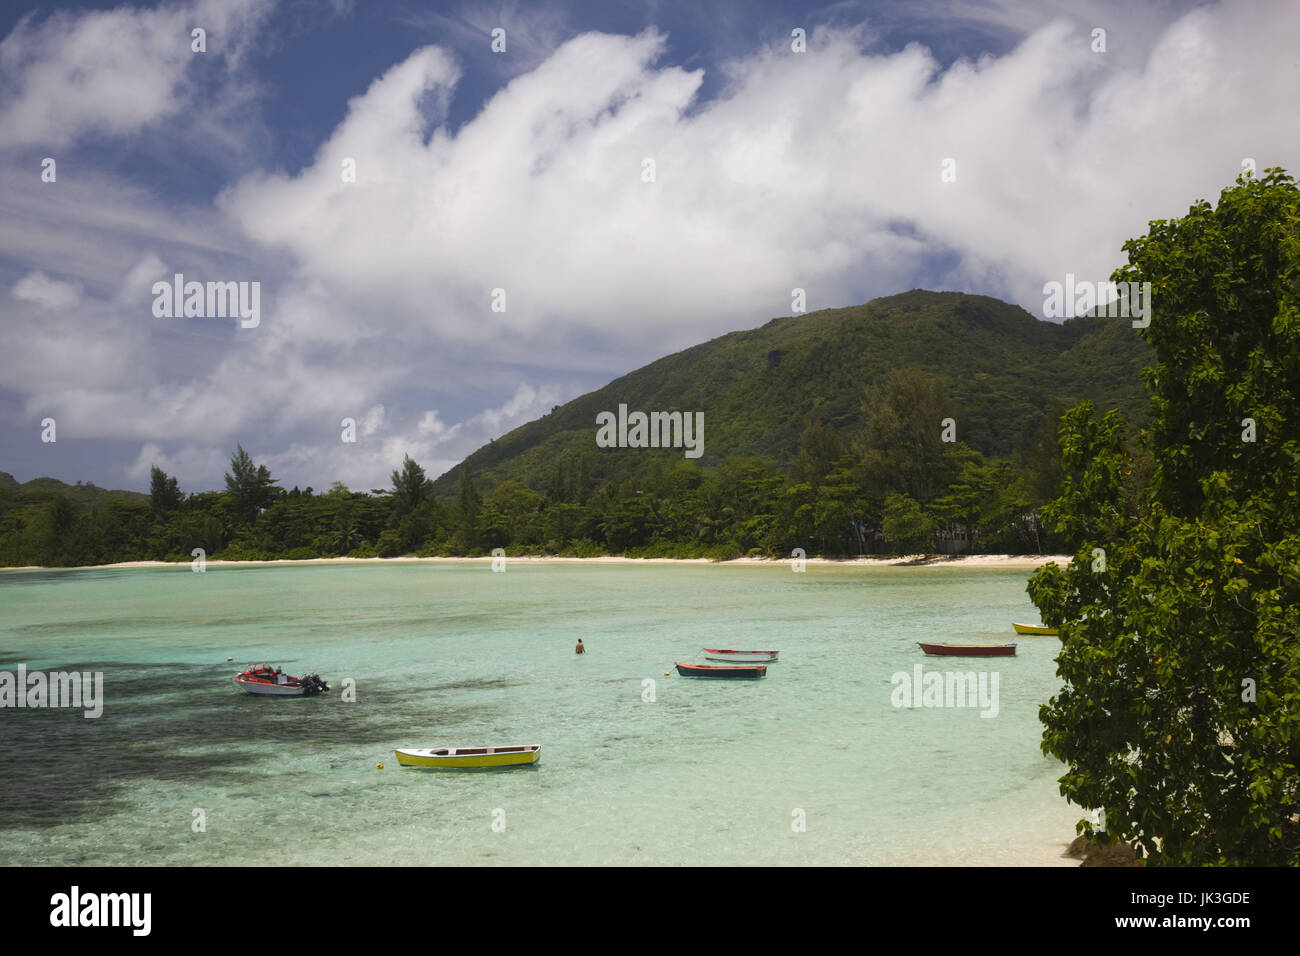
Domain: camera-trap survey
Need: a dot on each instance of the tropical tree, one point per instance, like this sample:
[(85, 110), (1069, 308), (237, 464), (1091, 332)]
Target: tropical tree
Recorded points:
[(164, 493), (508, 511), (468, 505), (250, 487), (410, 486), (907, 527), (902, 446), (1180, 714)]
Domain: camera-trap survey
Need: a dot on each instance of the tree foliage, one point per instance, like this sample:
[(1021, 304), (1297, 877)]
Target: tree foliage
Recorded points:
[(1180, 715), (251, 487), (164, 493), (410, 486)]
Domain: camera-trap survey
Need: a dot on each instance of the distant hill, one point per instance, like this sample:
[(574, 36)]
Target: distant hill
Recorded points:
[(759, 389), (85, 494)]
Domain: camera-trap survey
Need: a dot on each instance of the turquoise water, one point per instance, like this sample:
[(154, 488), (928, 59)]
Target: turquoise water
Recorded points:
[(708, 772)]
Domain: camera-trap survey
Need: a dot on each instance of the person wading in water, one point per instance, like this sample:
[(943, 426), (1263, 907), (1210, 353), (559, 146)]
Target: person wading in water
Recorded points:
[(579, 649)]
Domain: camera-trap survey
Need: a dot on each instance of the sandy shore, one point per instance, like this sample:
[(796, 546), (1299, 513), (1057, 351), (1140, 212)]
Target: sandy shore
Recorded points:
[(910, 561)]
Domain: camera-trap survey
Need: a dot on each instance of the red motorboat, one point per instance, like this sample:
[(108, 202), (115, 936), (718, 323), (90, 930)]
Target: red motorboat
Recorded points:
[(264, 680), (969, 650)]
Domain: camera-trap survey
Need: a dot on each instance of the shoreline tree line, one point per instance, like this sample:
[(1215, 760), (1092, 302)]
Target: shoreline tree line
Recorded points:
[(894, 486)]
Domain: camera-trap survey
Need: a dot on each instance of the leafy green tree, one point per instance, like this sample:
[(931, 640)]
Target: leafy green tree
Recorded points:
[(389, 544), (410, 486), (1180, 714), (563, 523), (907, 526), (837, 501), (819, 448), (347, 534), (961, 504), (1041, 460), (164, 493), (902, 446), (508, 511), (250, 487), (422, 526), (469, 503)]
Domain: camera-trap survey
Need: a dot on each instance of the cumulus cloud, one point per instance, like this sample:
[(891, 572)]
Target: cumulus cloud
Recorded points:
[(526, 404), (821, 171), (46, 293), (110, 71), (382, 442), (189, 464)]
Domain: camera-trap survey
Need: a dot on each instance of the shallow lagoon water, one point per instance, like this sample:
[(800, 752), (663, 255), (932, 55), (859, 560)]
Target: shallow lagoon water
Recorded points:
[(708, 772)]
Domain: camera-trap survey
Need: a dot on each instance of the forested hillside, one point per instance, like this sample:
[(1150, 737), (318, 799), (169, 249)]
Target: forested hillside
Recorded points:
[(1002, 369), (920, 422)]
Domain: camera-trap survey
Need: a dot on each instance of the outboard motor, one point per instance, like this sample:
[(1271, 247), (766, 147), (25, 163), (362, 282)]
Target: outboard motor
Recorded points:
[(312, 685)]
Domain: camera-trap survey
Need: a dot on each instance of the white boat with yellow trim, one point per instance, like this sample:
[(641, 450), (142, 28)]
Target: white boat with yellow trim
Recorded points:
[(466, 757)]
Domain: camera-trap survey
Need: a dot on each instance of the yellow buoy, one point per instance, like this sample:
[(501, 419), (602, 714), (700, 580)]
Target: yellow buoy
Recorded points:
[(665, 673), (379, 766)]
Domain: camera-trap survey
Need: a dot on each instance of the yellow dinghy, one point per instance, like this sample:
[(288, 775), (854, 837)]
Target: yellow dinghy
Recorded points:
[(1036, 629), (466, 757)]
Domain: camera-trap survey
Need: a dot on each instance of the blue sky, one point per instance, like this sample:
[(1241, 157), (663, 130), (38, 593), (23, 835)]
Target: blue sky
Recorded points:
[(525, 171)]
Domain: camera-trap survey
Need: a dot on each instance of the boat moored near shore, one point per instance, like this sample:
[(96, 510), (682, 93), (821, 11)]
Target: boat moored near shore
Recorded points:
[(969, 650), (264, 680), (1037, 630), (464, 758), (714, 670), (740, 657)]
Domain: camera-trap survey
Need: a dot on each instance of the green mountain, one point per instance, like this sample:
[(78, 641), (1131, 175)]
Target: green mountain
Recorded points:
[(759, 389), (84, 494)]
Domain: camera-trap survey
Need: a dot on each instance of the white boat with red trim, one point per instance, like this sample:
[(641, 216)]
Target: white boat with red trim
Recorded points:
[(740, 657), (264, 680)]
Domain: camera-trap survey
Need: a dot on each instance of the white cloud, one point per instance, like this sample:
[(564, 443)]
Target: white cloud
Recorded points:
[(526, 404), (195, 468), (797, 175), (47, 293), (818, 170), (435, 429), (372, 421), (381, 444), (110, 71)]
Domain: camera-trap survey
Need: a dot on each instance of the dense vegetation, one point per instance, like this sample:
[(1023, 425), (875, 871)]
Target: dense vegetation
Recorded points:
[(759, 390), (1180, 715), (823, 432)]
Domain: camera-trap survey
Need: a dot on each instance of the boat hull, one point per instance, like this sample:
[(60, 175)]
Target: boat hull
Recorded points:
[(1036, 630), (263, 689), (468, 758), (740, 657), (716, 671), (969, 650)]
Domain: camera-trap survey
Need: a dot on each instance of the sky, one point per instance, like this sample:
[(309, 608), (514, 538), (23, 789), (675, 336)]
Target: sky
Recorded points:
[(449, 239)]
